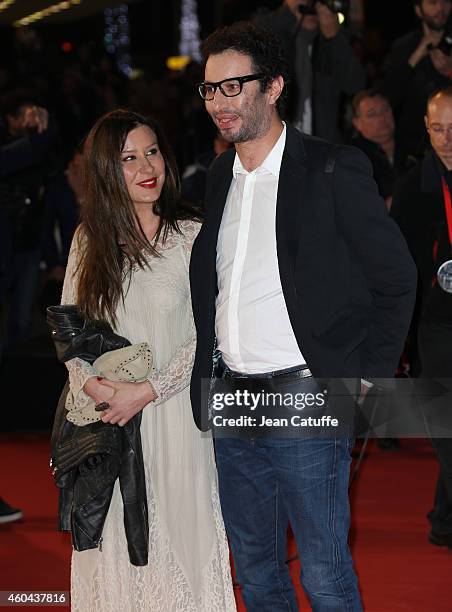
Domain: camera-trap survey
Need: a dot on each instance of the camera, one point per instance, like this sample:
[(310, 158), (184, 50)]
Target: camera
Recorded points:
[(336, 6), (444, 45)]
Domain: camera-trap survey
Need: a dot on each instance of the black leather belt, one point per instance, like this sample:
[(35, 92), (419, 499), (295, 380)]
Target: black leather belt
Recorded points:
[(282, 376)]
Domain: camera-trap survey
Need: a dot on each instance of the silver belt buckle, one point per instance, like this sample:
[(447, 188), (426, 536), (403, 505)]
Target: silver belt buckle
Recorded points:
[(306, 373)]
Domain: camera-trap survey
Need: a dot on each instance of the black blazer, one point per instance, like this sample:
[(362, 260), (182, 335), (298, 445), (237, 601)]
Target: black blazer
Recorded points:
[(346, 274), (418, 208)]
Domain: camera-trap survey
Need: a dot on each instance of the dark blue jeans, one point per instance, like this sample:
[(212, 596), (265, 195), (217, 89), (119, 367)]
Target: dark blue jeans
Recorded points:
[(264, 482)]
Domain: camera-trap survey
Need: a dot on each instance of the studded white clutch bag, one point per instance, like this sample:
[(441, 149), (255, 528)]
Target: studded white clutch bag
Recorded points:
[(129, 364)]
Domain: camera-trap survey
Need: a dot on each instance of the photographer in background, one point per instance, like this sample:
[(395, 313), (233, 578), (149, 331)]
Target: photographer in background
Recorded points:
[(26, 144), (322, 63), (419, 64), (15, 156)]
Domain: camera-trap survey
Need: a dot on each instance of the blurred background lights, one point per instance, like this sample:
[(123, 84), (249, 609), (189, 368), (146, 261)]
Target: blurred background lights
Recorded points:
[(50, 10), (178, 62), (189, 30), (6, 4), (117, 37)]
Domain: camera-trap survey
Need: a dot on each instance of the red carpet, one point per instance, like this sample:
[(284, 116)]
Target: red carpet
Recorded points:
[(398, 569)]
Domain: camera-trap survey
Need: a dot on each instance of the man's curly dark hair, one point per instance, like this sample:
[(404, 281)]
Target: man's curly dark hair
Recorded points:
[(263, 47)]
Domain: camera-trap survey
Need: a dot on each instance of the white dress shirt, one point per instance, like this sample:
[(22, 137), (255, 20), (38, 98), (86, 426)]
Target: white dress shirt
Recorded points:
[(252, 324)]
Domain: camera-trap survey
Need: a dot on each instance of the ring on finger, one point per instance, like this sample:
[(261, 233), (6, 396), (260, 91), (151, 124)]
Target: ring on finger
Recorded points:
[(102, 406)]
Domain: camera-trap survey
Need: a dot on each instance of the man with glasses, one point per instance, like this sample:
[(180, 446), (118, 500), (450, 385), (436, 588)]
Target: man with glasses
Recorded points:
[(290, 284)]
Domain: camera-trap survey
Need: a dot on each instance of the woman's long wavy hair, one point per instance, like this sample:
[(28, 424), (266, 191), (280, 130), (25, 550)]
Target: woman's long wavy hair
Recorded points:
[(112, 239)]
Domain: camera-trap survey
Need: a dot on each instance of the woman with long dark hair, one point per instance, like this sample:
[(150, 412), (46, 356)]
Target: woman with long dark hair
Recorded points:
[(128, 266)]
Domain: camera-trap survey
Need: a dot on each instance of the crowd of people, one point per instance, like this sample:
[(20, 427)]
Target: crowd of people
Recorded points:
[(129, 262), (331, 95)]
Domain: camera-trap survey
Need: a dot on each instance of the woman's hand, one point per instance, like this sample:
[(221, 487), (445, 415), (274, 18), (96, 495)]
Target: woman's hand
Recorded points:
[(97, 392), (126, 400)]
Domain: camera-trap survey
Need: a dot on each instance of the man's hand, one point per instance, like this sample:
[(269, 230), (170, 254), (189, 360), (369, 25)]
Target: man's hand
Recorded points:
[(328, 21), (36, 117), (430, 39), (126, 401), (442, 62), (293, 5), (366, 386)]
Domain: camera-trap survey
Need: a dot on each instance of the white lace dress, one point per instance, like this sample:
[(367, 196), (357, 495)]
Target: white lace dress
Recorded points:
[(188, 568)]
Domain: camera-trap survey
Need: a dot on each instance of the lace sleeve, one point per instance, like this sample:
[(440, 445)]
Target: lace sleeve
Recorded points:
[(190, 230), (175, 375), (79, 371)]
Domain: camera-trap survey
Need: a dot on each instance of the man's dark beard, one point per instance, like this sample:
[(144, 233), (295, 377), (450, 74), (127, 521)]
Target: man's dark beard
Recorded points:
[(433, 25), (256, 126), (253, 130)]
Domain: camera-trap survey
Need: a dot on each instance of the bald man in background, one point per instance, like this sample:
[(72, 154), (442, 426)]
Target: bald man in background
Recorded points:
[(420, 208)]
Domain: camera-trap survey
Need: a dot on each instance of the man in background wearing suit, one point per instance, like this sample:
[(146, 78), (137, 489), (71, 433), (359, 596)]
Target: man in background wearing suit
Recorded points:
[(22, 153), (298, 278)]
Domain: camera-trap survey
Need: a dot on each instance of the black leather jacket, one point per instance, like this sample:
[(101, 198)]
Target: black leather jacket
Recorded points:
[(87, 460)]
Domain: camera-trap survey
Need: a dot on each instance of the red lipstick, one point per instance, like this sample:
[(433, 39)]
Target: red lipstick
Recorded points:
[(149, 183)]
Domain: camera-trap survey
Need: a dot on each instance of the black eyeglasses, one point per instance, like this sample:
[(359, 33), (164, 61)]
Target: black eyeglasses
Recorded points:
[(228, 87)]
